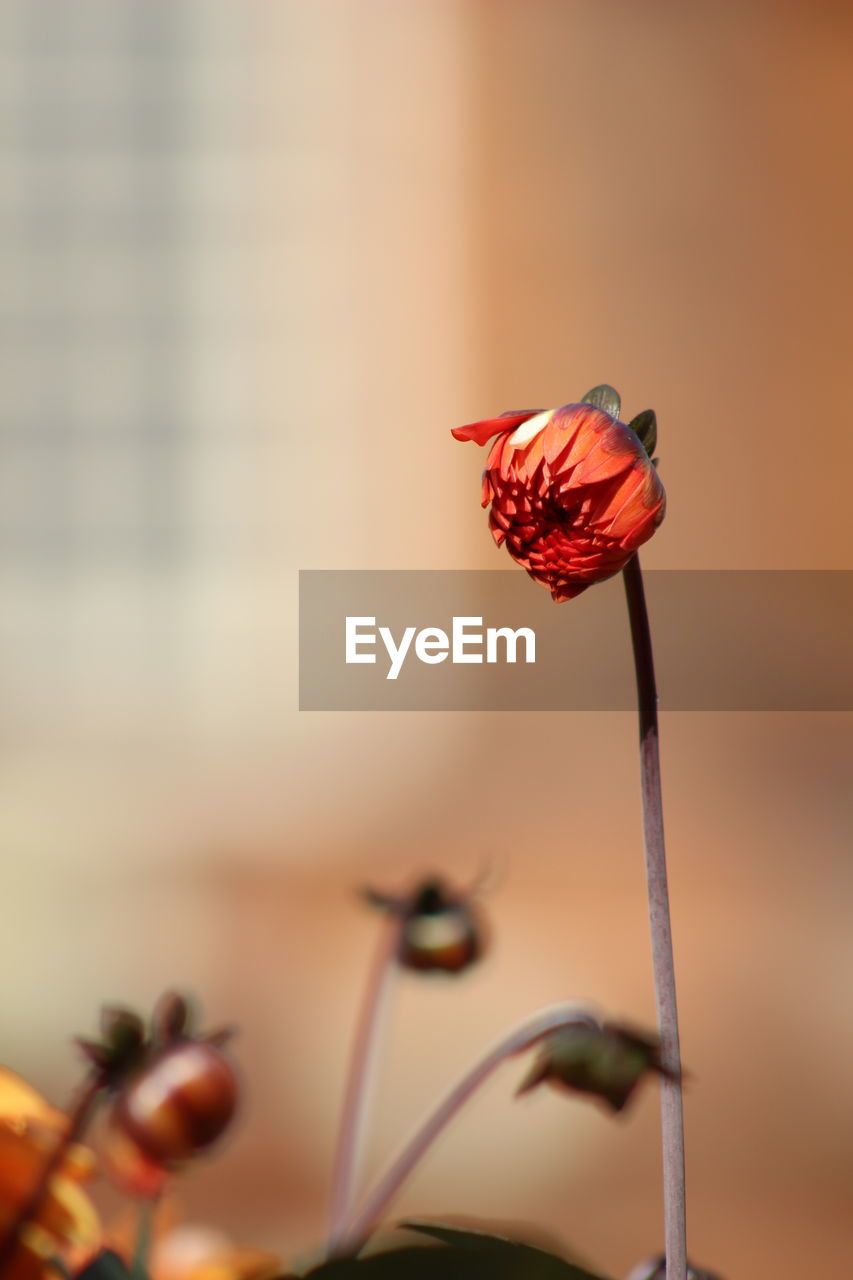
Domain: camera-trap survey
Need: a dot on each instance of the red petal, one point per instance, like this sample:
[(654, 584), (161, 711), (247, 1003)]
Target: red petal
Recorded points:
[(619, 507), (600, 449), (481, 432), (528, 459), (504, 458), (497, 532), (524, 532), (629, 515), (560, 594), (561, 431)]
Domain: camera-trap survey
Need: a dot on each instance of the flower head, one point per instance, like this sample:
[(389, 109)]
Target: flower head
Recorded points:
[(573, 491), (600, 1058)]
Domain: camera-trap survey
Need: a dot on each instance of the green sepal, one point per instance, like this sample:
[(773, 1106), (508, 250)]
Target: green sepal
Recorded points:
[(645, 426), (381, 901), (122, 1046), (123, 1031), (606, 398), (171, 1018)]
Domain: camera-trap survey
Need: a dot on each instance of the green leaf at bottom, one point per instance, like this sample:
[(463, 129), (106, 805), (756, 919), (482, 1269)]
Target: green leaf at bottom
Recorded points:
[(105, 1266), (460, 1255)]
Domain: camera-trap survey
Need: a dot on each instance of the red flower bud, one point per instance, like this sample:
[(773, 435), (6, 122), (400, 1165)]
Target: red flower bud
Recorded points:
[(180, 1103), (573, 491)]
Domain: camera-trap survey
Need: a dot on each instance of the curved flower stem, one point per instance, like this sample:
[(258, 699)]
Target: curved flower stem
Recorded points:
[(672, 1118), (356, 1096), (522, 1037), (77, 1122), (144, 1232)]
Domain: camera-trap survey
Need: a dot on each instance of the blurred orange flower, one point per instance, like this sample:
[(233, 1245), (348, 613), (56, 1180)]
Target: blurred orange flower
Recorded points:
[(66, 1224), (573, 493), (201, 1253), (189, 1251)]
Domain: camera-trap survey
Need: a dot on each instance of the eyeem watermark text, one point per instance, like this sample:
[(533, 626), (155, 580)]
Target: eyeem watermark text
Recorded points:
[(467, 642)]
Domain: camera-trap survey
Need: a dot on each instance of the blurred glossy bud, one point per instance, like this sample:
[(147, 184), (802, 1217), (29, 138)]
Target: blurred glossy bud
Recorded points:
[(604, 1059), (655, 1269), (180, 1103), (441, 931)]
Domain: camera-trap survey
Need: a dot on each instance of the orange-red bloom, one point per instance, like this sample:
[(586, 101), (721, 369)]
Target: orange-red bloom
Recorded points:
[(189, 1251), (65, 1224), (573, 493), (199, 1253)]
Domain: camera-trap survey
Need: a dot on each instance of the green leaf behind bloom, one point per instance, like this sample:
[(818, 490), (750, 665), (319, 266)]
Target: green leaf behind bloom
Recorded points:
[(645, 426), (605, 398)]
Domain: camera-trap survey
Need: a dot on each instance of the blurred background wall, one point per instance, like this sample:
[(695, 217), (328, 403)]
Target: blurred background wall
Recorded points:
[(256, 260)]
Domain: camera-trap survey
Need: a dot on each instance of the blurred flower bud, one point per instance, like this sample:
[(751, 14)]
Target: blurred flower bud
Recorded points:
[(603, 1059), (180, 1103), (175, 1103), (441, 931)]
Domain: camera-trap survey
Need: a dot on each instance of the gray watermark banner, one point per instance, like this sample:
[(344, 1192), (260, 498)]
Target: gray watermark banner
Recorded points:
[(436, 640)]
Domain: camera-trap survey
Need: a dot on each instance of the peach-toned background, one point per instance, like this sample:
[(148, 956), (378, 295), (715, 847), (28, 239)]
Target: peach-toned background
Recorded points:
[(257, 259)]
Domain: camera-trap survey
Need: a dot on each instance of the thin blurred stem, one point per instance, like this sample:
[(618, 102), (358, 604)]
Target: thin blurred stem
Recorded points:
[(359, 1077), (350, 1241), (672, 1117), (144, 1232), (79, 1118)]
